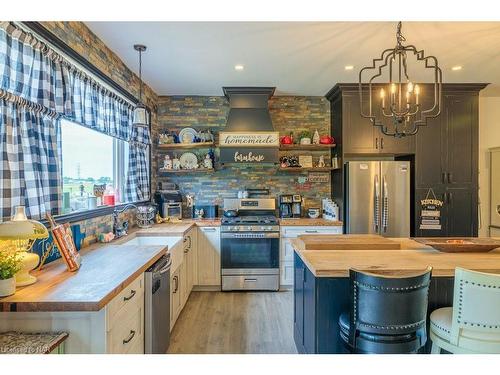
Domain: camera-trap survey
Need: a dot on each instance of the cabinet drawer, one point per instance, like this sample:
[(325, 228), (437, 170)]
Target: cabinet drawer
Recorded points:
[(292, 232), (131, 295), (286, 273), (127, 335)]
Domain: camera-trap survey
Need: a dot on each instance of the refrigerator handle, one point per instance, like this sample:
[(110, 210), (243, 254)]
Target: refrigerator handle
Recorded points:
[(376, 204), (385, 205)]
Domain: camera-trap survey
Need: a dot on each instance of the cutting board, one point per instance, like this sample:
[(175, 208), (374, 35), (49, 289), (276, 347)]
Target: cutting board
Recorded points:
[(346, 242)]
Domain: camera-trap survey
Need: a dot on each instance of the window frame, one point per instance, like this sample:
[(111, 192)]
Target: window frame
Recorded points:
[(119, 175)]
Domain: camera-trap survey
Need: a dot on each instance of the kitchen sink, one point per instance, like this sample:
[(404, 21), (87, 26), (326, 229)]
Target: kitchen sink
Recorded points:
[(175, 246), (153, 241)]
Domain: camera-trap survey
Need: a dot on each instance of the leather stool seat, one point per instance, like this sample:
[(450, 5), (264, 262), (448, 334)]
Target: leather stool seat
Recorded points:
[(381, 344)]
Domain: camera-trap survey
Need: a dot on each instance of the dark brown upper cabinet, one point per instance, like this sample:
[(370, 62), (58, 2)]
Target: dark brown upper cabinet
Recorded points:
[(357, 134)]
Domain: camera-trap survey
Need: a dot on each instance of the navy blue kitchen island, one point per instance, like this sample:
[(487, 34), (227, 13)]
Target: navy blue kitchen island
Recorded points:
[(319, 299)]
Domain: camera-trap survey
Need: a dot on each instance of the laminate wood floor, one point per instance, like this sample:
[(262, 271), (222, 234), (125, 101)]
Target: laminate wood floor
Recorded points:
[(235, 323)]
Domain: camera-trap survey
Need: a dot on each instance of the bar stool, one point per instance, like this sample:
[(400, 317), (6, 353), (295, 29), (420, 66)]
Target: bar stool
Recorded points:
[(387, 314), (472, 325)]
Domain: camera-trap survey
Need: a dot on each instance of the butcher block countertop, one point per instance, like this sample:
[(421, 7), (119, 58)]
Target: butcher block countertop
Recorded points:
[(413, 256), (309, 222), (105, 272)]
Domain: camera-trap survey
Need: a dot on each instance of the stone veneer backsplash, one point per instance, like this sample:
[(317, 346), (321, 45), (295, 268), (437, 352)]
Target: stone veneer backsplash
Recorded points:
[(289, 114), (90, 228)]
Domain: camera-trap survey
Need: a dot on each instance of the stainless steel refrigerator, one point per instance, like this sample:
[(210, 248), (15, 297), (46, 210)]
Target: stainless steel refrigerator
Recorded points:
[(378, 198)]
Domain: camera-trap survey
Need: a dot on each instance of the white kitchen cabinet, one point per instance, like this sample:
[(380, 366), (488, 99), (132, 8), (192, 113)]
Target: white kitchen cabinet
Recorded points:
[(286, 273), (209, 257), (295, 231), (288, 233), (175, 295), (190, 258), (118, 328)]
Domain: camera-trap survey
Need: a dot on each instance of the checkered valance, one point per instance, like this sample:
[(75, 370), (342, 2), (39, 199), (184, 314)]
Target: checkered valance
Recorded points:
[(35, 72)]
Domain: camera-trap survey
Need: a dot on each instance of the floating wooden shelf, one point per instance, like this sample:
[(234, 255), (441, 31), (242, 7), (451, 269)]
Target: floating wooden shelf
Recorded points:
[(172, 146), (179, 171), (319, 147), (292, 169)]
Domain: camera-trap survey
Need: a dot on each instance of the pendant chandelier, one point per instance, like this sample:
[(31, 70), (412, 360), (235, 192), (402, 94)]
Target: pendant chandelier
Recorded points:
[(397, 106), (141, 115)]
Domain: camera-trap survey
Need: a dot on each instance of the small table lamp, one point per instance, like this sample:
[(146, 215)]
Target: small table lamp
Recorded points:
[(22, 233)]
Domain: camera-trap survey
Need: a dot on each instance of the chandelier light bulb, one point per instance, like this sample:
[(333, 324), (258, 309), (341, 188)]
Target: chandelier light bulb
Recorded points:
[(410, 86)]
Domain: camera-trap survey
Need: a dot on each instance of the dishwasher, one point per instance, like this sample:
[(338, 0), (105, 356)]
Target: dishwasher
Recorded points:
[(157, 306)]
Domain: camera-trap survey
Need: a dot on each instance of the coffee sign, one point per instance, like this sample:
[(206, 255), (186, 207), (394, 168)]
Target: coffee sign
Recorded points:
[(249, 139)]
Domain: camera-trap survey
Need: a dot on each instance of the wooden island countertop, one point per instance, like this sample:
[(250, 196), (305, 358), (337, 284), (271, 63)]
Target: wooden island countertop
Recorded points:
[(413, 256)]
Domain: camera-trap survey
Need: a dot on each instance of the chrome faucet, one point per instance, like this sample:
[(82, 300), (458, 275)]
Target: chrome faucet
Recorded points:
[(120, 231)]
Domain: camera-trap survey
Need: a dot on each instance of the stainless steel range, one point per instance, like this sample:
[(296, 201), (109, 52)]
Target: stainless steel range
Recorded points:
[(250, 245)]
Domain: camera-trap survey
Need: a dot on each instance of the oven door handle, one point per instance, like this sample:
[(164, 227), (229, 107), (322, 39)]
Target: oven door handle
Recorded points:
[(251, 236)]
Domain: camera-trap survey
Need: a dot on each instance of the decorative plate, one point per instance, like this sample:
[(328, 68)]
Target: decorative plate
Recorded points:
[(187, 135), (188, 161)]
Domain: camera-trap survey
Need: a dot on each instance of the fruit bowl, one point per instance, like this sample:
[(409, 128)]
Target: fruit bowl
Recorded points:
[(460, 244)]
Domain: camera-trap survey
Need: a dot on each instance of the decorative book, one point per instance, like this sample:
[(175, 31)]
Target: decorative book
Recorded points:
[(63, 239)]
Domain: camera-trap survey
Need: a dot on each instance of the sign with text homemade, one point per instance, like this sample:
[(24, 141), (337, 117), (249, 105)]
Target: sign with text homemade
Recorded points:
[(249, 139), (248, 147)]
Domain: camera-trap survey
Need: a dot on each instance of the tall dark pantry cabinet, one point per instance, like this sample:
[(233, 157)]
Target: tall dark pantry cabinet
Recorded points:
[(444, 154)]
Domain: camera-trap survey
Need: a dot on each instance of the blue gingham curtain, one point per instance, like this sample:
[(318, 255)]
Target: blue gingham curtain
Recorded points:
[(97, 108), (32, 71), (31, 165), (137, 188)]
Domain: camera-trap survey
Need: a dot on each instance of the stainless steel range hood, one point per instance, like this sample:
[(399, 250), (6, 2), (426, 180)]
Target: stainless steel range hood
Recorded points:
[(249, 109), (249, 136)]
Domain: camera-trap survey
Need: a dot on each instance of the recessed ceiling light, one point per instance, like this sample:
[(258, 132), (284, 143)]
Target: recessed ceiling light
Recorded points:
[(239, 67), (457, 67), (349, 67)]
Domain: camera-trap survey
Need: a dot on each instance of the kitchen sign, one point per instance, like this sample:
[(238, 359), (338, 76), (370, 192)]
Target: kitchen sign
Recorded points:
[(249, 139), (255, 155), (430, 214)]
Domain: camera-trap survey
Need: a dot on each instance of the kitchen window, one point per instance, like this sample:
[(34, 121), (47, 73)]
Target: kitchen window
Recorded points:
[(94, 167)]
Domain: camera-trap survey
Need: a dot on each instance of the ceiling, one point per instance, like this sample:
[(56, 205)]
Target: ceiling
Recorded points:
[(299, 58)]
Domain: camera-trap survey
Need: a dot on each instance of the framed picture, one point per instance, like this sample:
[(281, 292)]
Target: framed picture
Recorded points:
[(306, 161)]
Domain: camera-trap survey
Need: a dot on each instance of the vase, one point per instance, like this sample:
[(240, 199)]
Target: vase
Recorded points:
[(7, 287), (305, 141)]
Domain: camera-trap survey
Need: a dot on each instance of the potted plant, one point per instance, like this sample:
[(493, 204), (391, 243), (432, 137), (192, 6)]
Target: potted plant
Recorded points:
[(10, 263), (305, 138)]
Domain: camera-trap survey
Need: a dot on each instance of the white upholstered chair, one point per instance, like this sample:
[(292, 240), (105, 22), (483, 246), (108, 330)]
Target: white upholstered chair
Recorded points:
[(472, 325)]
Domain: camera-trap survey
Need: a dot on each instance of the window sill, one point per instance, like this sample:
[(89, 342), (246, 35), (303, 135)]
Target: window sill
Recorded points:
[(89, 214)]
